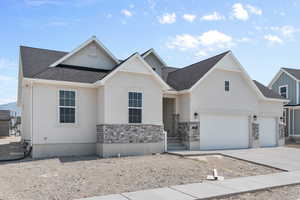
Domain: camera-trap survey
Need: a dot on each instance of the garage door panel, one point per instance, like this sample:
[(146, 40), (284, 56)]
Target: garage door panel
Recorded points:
[(267, 132), (224, 132)]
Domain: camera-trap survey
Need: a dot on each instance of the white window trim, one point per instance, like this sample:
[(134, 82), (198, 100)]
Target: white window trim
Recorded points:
[(58, 107), (287, 90), (141, 108)]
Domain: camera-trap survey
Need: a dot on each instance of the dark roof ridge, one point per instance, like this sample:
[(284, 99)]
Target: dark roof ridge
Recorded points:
[(191, 65)]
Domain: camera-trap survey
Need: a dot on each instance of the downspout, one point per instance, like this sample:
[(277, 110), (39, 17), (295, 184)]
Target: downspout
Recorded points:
[(31, 100)]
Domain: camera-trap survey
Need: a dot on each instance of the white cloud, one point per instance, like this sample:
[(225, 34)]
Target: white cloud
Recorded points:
[(213, 17), (201, 53), (126, 13), (273, 39), (189, 17), (6, 63), (206, 42), (285, 31), (254, 10), (184, 42), (288, 31), (215, 38), (167, 18), (239, 12)]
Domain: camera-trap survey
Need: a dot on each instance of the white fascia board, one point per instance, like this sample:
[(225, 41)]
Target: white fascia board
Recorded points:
[(156, 55), (92, 39), (119, 68), (293, 77), (65, 83)]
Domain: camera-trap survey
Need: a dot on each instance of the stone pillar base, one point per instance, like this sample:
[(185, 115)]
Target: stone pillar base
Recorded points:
[(129, 139)]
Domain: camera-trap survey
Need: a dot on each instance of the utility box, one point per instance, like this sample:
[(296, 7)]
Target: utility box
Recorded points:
[(4, 122)]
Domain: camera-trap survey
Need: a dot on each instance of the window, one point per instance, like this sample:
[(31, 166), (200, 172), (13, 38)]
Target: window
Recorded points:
[(283, 91), (135, 107), (227, 86), (67, 106)]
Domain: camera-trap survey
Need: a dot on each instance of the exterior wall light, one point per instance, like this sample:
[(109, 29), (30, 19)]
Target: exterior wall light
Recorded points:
[(254, 117)]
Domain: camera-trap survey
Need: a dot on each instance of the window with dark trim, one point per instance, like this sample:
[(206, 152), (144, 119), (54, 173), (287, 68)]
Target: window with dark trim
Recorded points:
[(283, 91), (67, 106), (227, 86), (135, 107)]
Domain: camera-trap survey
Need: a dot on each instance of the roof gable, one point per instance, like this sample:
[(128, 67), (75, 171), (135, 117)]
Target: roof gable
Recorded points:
[(135, 64), (91, 56), (153, 53), (186, 77), (91, 53), (293, 73)]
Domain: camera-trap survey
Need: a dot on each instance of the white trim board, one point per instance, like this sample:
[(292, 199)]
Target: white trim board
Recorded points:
[(156, 55)]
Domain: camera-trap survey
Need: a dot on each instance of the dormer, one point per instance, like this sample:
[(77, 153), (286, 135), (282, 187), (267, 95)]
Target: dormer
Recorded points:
[(154, 60), (90, 54)]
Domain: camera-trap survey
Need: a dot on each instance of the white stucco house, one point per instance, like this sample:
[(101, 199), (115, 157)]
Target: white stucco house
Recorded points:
[(87, 101)]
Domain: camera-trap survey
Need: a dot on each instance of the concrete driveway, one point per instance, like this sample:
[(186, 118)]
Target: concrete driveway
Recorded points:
[(284, 158)]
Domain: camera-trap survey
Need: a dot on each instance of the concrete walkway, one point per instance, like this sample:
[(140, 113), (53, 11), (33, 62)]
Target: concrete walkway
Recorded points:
[(284, 158), (210, 189)]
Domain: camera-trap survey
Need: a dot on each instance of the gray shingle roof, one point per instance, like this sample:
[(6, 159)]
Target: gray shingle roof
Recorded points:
[(71, 74), (36, 60), (266, 91), (36, 64), (186, 77), (294, 72), (165, 72)]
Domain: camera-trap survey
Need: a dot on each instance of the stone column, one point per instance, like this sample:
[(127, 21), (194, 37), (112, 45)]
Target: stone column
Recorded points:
[(190, 134), (281, 132), (255, 135), (175, 121)]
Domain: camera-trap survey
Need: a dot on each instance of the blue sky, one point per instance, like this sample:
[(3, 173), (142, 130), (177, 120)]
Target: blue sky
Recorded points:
[(264, 35)]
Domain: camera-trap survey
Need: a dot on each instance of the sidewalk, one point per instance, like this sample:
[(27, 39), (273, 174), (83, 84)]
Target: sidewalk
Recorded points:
[(210, 189)]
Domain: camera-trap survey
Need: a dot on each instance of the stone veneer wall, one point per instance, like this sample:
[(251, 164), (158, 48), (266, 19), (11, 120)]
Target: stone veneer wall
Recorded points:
[(254, 135), (129, 133), (189, 133), (281, 133)]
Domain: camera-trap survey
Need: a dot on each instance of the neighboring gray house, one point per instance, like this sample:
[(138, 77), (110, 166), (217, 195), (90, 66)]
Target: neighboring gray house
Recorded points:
[(286, 83)]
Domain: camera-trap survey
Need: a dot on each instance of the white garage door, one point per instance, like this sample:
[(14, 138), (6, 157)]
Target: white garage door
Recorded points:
[(224, 132), (267, 132)]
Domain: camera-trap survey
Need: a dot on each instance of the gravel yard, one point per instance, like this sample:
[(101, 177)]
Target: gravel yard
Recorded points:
[(78, 177), (287, 192)]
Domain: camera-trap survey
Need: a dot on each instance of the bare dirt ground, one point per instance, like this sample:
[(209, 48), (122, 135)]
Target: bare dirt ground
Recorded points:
[(78, 177), (287, 192)]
